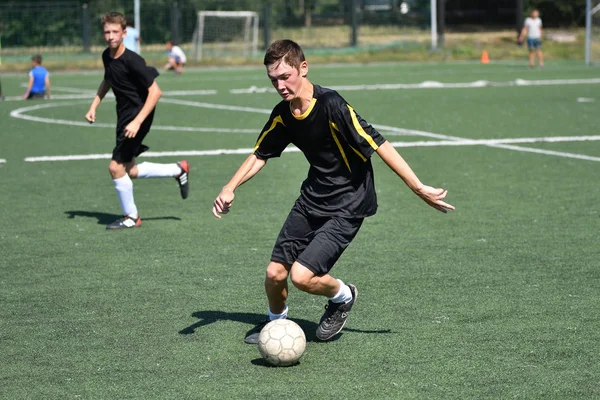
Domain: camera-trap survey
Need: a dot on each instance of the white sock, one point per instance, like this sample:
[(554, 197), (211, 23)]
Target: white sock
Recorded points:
[(344, 295), (124, 187), (283, 314), (154, 170)]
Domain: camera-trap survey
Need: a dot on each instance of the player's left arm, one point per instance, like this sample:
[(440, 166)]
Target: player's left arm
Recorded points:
[(432, 196), (154, 94), (29, 86), (47, 83)]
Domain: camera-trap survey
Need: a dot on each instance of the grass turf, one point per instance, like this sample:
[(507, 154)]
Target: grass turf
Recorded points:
[(498, 299)]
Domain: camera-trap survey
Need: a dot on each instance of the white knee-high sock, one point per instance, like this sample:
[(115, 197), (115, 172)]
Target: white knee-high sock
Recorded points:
[(343, 295), (124, 188), (283, 314), (154, 170)]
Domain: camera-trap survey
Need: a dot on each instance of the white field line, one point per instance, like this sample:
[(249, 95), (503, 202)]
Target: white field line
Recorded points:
[(87, 94), (20, 113), (216, 106), (501, 145), (436, 85), (497, 142), (392, 129)]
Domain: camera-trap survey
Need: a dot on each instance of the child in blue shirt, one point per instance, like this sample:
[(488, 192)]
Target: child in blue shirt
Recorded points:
[(39, 80)]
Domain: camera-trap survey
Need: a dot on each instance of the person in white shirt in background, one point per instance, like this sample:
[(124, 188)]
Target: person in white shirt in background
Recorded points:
[(132, 39), (533, 29), (176, 56)]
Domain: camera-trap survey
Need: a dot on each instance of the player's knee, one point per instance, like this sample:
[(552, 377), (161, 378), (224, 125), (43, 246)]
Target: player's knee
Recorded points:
[(302, 278), (116, 170), (276, 273)]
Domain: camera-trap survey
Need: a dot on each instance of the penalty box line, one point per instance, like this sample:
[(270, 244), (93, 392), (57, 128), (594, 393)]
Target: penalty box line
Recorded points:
[(500, 143)]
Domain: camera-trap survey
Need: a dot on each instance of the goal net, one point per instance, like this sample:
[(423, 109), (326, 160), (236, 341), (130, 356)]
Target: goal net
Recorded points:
[(225, 34)]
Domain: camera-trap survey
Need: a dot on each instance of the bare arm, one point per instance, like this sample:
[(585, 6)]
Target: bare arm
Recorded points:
[(47, 82), (245, 172), (523, 33), (154, 94), (432, 196), (29, 86), (102, 90)]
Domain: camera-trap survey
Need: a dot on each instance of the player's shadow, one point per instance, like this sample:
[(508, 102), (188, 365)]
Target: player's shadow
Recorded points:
[(309, 327), (106, 218)]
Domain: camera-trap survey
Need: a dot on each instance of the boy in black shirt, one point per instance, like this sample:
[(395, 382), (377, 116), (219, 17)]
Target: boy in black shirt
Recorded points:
[(137, 93), (336, 196)]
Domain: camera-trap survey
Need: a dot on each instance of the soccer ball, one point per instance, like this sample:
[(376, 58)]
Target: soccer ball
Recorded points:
[(281, 342)]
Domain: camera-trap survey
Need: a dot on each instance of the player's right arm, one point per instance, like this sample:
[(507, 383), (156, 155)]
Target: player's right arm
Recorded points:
[(29, 86), (245, 172), (102, 90), (271, 143)]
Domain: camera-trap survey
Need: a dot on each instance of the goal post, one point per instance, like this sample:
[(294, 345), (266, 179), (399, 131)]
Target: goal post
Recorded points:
[(592, 32), (223, 34)]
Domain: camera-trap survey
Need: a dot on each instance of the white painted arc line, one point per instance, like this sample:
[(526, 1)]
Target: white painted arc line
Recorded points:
[(496, 143), (90, 95), (547, 152), (216, 106), (415, 132), (18, 113), (437, 85)]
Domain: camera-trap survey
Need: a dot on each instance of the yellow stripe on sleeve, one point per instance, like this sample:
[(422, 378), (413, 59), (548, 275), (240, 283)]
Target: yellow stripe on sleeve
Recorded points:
[(360, 129), (265, 133)]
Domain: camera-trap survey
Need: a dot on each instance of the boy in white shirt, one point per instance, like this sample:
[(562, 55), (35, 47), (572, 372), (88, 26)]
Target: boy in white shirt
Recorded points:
[(533, 29), (176, 56)]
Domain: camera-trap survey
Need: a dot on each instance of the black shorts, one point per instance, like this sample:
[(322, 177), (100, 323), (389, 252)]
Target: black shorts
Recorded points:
[(36, 96), (315, 242), (126, 149)]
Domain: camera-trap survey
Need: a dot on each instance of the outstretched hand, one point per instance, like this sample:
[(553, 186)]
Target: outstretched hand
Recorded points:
[(223, 202), (434, 197)]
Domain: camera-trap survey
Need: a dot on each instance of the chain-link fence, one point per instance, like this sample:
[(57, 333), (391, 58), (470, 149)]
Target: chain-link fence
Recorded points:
[(72, 26)]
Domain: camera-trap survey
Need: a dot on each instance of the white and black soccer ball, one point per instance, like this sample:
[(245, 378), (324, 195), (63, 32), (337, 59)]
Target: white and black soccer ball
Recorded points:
[(281, 342)]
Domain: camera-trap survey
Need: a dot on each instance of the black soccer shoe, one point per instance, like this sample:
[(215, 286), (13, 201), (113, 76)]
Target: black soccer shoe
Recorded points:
[(335, 317), (125, 223), (182, 179), (252, 334)]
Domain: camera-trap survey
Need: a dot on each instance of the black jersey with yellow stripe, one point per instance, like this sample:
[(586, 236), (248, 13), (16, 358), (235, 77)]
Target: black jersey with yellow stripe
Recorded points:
[(338, 145)]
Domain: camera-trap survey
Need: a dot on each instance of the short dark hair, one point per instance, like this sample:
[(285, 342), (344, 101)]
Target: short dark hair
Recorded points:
[(37, 59), (284, 50), (114, 18)]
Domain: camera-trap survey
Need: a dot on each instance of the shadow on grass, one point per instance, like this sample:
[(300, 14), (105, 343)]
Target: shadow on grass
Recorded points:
[(261, 362), (107, 218), (309, 327)]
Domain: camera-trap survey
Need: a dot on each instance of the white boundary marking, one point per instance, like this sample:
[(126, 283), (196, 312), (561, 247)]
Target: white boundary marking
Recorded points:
[(438, 85), (20, 113), (501, 143), (450, 140), (89, 94)]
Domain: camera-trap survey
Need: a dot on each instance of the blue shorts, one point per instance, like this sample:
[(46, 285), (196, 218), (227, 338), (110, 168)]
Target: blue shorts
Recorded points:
[(533, 44)]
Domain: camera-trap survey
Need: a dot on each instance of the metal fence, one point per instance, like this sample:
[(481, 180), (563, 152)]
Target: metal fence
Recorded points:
[(70, 25)]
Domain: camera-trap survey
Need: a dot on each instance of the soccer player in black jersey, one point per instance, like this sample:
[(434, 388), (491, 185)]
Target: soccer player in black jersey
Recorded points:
[(336, 196), (134, 86)]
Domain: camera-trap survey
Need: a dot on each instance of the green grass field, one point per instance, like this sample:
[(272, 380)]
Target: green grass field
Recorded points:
[(498, 299)]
